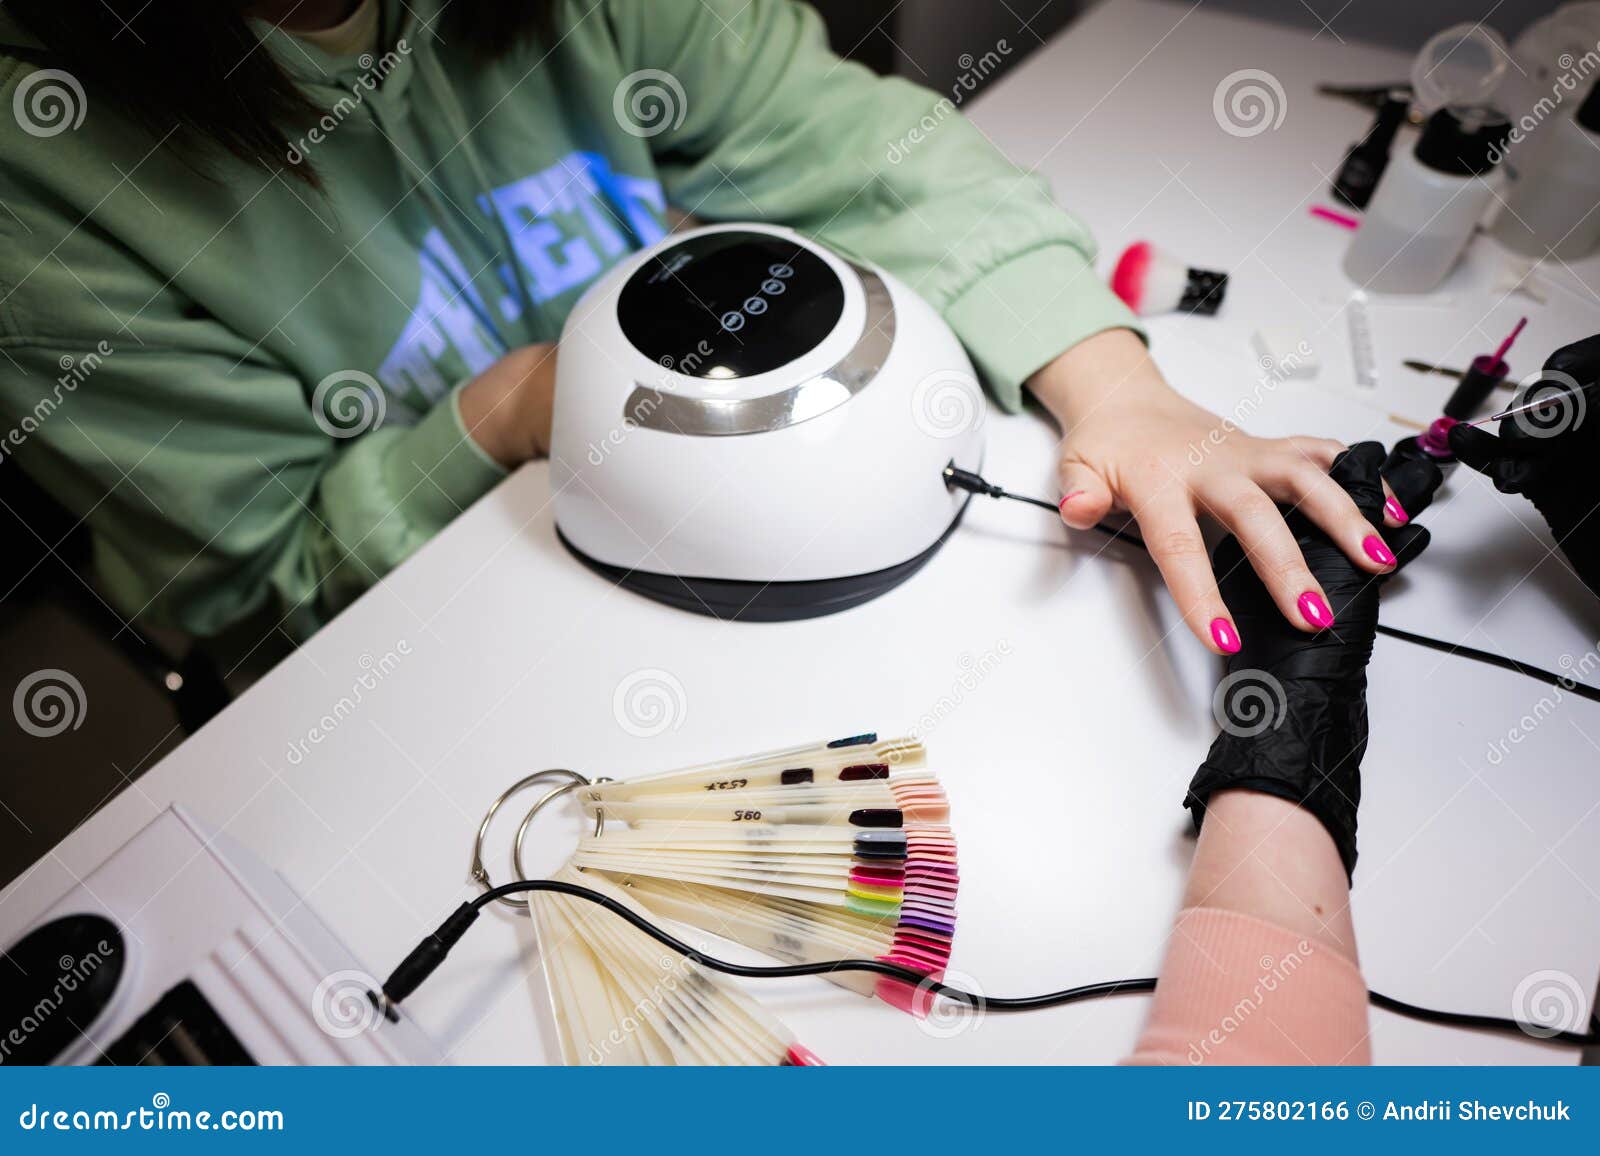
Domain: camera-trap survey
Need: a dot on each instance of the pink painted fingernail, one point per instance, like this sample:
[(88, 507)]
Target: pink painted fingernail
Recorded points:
[(1314, 610), (1377, 550), (1223, 634), (1393, 509)]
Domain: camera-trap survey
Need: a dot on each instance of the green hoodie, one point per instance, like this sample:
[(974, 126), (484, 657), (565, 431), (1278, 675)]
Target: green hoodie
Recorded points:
[(183, 361)]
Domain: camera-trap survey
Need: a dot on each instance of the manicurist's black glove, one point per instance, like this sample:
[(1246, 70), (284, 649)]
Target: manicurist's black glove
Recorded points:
[(1292, 705), (1551, 454)]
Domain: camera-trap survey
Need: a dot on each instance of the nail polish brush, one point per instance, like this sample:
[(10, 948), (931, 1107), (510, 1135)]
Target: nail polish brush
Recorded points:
[(1555, 397)]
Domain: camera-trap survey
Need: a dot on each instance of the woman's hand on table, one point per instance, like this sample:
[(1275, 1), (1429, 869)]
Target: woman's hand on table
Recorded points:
[(507, 408), (1132, 444)]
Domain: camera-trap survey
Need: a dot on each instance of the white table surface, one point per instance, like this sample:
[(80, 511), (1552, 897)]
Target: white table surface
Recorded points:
[(1067, 763)]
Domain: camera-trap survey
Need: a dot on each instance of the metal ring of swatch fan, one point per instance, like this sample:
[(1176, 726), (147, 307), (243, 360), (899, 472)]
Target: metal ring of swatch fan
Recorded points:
[(527, 820), (480, 873)]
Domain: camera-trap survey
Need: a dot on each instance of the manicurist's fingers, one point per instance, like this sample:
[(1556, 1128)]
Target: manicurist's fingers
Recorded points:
[(1410, 483), (1407, 542)]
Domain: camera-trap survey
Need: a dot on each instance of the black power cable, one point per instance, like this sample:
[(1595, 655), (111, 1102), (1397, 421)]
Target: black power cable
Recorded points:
[(972, 483), (431, 952)]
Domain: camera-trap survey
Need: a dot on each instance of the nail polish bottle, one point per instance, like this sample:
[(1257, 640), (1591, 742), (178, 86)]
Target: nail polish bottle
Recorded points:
[(1476, 384), (1364, 163), (1432, 444)]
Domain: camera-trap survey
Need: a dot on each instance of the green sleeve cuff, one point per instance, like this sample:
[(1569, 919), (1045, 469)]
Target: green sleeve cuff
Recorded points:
[(435, 471), (1024, 314)]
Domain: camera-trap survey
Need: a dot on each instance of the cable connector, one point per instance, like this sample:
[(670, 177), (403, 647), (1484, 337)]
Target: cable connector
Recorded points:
[(959, 479), (428, 955), (956, 478)]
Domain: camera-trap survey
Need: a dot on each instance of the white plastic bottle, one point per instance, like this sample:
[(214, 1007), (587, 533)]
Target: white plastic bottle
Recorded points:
[(1428, 203), (1551, 209)]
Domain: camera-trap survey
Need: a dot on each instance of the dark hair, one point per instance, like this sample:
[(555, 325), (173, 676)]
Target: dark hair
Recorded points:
[(194, 66)]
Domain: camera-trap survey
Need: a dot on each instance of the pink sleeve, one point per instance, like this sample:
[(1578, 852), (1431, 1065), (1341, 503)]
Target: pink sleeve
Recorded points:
[(1239, 990)]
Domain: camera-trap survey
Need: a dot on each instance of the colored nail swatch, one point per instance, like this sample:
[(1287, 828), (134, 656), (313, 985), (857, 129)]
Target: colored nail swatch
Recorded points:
[(1394, 510), (820, 852)]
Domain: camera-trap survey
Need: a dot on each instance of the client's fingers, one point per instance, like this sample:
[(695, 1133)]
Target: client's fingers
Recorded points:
[(1270, 546), (1085, 497), (1172, 535), (1316, 496), (1320, 452)]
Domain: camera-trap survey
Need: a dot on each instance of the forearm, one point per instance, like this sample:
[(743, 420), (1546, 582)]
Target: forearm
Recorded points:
[(382, 496), (1260, 967), (1262, 856), (1094, 372), (320, 534)]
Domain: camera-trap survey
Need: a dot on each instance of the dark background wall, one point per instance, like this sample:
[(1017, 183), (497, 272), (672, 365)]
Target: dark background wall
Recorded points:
[(923, 40), (1398, 23)]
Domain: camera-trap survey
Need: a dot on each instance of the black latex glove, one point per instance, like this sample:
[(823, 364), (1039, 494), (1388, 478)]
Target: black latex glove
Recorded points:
[(1413, 475), (1551, 455), (1293, 706)]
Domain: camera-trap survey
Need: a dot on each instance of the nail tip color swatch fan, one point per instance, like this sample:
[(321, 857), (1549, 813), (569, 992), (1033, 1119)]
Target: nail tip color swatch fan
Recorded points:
[(836, 850)]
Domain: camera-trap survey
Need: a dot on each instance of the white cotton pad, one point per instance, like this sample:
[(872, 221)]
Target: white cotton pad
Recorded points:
[(1284, 351)]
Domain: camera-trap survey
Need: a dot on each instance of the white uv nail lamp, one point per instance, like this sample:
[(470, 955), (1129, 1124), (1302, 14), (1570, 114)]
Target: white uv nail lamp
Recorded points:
[(752, 426)]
